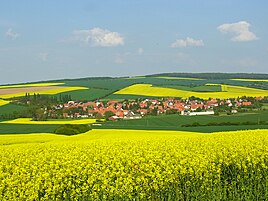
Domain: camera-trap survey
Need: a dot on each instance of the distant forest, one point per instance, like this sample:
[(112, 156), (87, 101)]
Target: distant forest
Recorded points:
[(213, 76)]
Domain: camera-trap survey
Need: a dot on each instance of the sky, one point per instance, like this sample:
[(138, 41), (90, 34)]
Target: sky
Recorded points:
[(46, 40)]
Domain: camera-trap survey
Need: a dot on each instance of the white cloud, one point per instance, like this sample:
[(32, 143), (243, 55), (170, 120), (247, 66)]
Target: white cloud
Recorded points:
[(187, 42), (240, 30), (43, 56), (98, 37), (140, 51), (11, 34)]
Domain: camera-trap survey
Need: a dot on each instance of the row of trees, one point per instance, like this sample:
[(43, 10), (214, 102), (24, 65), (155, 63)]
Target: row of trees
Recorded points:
[(41, 100)]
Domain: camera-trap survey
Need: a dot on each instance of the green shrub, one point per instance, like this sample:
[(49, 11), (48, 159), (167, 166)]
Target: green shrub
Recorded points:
[(70, 129)]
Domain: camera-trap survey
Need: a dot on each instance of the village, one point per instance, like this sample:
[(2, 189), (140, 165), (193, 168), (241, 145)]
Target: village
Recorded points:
[(114, 110)]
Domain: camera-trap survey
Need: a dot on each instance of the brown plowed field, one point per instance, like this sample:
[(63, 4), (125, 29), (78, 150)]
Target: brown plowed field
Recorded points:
[(28, 90)]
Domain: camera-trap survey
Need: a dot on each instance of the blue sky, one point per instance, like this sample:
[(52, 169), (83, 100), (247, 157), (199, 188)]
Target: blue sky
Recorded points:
[(42, 40)]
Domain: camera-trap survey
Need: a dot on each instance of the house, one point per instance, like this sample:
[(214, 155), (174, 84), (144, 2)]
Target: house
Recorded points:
[(114, 118), (200, 113), (179, 106), (65, 115), (120, 114), (195, 106), (132, 115), (246, 103), (154, 102), (77, 115), (234, 111), (142, 111), (212, 103), (84, 116), (160, 109)]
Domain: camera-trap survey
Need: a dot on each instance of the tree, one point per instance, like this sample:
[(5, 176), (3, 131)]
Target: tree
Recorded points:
[(97, 115), (108, 114), (154, 111), (198, 109)]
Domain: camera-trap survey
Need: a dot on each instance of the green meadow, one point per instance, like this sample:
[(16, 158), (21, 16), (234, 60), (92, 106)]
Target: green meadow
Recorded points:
[(176, 122)]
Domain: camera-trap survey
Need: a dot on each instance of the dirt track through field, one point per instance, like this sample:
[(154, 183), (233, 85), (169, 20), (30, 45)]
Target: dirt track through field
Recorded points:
[(28, 90)]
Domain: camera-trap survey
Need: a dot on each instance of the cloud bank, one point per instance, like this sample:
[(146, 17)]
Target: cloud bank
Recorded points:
[(187, 42), (240, 30), (11, 34), (98, 37)]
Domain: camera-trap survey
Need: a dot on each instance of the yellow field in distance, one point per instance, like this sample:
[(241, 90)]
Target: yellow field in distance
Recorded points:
[(98, 134), (32, 85), (228, 91), (29, 121), (3, 102), (250, 80), (49, 91)]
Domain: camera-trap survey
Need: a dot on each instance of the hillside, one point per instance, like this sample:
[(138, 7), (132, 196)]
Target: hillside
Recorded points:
[(214, 75)]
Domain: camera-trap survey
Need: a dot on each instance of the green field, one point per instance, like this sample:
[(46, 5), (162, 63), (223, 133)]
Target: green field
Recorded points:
[(10, 108), (26, 128), (162, 122), (89, 94), (175, 122), (265, 106), (103, 88)]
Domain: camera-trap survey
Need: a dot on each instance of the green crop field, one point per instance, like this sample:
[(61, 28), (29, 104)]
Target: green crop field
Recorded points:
[(175, 122), (103, 88), (26, 128), (104, 83), (265, 106), (10, 108), (89, 94)]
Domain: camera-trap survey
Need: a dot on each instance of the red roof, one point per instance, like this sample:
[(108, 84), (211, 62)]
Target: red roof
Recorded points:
[(246, 103)]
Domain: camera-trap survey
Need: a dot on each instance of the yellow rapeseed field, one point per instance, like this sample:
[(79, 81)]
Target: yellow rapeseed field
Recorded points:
[(135, 165), (250, 80), (228, 91), (32, 85), (3, 102), (29, 121), (48, 91)]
